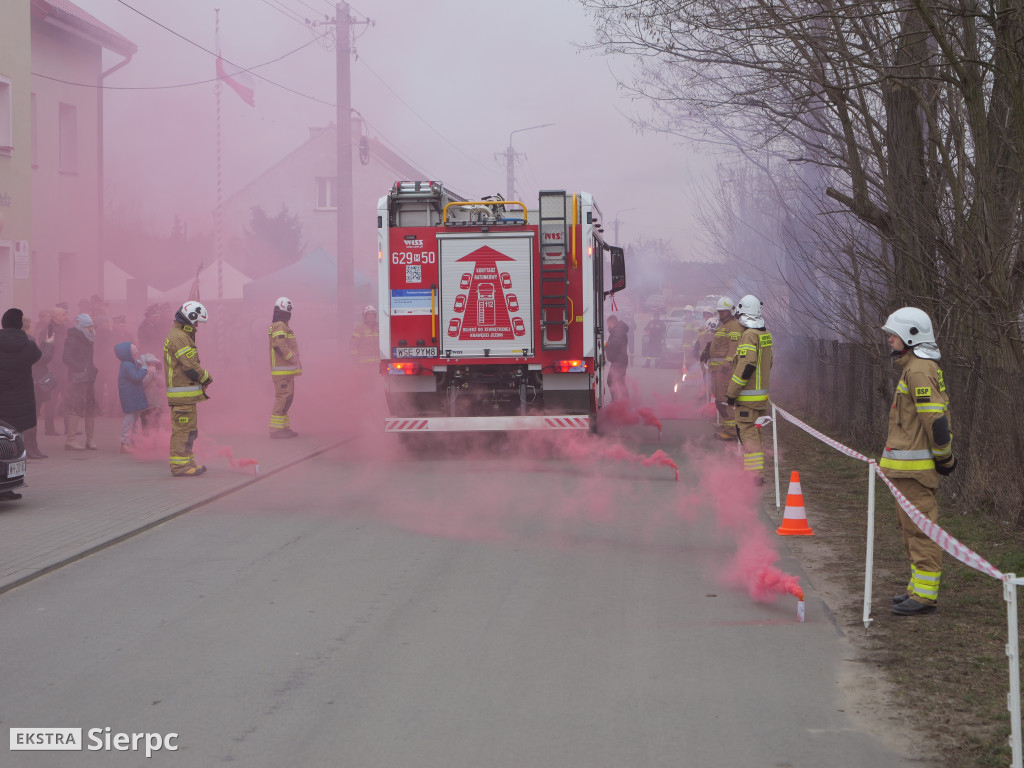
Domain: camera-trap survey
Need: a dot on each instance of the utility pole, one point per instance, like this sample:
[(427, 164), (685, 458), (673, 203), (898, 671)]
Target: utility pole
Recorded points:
[(616, 222), (342, 23), (510, 162), (346, 263)]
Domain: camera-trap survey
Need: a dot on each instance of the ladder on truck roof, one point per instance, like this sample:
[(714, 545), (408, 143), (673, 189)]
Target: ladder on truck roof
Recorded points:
[(554, 270)]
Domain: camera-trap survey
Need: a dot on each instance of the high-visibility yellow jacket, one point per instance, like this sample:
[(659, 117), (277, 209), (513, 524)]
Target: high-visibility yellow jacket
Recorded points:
[(920, 430), (364, 346), (185, 375), (284, 351), (751, 372), (723, 345)]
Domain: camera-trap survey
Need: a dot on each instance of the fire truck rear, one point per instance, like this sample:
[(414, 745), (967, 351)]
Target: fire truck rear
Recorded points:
[(492, 313)]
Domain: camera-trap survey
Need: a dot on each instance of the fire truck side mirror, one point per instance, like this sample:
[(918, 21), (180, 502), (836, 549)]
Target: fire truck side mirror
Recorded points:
[(618, 270)]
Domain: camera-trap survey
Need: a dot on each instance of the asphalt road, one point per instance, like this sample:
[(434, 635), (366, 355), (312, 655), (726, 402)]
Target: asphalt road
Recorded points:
[(500, 605)]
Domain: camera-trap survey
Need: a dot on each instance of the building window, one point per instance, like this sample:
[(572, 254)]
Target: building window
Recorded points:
[(68, 138), (327, 193), (6, 117)]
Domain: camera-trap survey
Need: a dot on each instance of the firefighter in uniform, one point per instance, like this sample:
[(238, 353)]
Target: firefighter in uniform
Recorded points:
[(720, 355), (364, 346), (748, 387), (284, 367), (918, 449), (701, 349), (187, 381)]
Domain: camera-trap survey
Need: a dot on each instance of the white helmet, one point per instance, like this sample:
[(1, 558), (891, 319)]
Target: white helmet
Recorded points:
[(911, 325), (284, 304), (194, 312), (725, 305), (369, 308), (706, 310), (748, 312), (710, 325), (688, 308)]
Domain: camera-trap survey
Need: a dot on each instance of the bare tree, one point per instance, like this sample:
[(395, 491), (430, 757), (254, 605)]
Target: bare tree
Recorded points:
[(910, 111)]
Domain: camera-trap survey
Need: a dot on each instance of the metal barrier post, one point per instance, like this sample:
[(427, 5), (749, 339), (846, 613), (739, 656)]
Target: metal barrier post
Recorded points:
[(1013, 653), (775, 456), (869, 557)]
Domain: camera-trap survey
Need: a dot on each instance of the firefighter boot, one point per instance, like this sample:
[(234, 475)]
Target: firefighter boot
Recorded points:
[(910, 607)]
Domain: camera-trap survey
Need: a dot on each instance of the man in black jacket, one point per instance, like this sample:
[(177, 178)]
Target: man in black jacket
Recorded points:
[(18, 353), (617, 355)]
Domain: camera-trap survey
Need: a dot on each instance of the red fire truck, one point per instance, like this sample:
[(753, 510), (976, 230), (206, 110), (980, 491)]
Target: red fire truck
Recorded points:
[(492, 313)]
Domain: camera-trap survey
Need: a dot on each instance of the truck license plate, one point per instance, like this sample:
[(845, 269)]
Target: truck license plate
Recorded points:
[(16, 469), (415, 351)]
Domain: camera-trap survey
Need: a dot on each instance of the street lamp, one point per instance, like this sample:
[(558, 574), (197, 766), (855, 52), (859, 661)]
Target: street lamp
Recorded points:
[(510, 157), (616, 222)]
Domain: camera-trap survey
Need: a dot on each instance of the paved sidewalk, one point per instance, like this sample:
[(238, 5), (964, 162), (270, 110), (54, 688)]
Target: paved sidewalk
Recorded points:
[(76, 502)]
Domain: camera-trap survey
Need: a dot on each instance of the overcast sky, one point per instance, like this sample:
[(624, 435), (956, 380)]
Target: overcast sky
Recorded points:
[(442, 82)]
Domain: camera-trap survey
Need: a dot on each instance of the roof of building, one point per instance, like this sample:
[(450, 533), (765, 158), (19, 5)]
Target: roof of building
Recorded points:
[(67, 14), (328, 136)]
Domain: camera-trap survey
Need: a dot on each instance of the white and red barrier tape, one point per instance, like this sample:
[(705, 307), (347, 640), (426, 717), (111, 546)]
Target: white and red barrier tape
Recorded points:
[(932, 530), (824, 438)]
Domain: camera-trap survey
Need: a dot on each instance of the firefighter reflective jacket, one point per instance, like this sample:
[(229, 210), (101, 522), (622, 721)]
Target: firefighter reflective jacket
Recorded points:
[(364, 347), (284, 351), (723, 346), (751, 372), (185, 375), (919, 426)]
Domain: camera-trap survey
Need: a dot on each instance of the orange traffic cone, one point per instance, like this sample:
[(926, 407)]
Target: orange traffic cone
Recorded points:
[(794, 519)]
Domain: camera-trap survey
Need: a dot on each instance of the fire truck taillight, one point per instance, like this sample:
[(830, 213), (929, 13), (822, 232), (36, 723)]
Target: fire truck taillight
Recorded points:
[(570, 366), (398, 369)]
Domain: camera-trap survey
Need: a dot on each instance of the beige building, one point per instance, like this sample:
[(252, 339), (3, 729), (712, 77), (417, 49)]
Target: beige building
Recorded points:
[(305, 181), (66, 119), (15, 155)]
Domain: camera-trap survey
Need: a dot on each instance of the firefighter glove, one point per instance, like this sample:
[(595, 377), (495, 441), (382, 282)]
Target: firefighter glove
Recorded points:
[(946, 466), (730, 401), (705, 354)]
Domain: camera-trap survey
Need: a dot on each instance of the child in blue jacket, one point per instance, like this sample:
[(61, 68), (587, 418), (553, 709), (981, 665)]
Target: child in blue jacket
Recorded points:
[(129, 388)]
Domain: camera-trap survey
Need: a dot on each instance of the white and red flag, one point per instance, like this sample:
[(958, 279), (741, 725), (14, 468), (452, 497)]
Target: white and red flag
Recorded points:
[(240, 81)]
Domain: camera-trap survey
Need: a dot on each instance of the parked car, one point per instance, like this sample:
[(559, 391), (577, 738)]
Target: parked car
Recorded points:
[(12, 462)]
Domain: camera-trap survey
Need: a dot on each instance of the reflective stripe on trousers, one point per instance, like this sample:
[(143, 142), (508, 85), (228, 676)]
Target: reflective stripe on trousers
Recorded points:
[(924, 583)]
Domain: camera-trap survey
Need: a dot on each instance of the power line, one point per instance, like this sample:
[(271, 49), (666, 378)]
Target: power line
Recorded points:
[(394, 148), (176, 85), (314, 10), (423, 119), (226, 61), (286, 11)]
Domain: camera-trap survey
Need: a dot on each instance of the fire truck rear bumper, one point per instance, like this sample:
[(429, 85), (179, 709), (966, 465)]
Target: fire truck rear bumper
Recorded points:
[(485, 423)]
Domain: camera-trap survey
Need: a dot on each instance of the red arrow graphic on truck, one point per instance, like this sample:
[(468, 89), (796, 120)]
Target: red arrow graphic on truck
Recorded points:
[(486, 312)]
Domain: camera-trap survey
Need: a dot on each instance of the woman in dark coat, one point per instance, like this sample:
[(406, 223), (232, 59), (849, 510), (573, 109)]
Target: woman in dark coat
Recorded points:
[(80, 401), (17, 391)]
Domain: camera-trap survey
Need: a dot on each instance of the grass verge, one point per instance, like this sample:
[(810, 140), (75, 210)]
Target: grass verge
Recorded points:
[(949, 670)]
